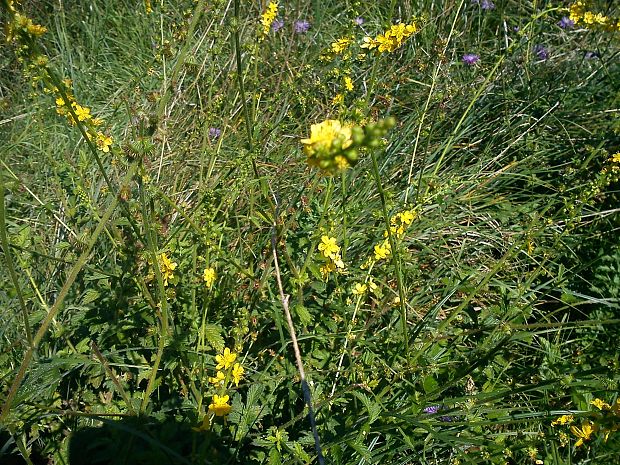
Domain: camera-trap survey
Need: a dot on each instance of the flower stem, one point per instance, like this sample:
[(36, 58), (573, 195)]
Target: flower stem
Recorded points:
[(395, 254)]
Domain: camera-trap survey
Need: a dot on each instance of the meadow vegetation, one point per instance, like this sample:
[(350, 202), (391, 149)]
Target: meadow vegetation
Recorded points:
[(302, 232)]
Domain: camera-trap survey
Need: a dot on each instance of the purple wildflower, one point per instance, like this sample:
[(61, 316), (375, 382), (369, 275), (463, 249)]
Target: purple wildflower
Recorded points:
[(541, 51), (301, 26), (432, 409), (566, 23), (359, 20), (214, 133), (277, 25), (470, 59), (591, 55), (484, 4)]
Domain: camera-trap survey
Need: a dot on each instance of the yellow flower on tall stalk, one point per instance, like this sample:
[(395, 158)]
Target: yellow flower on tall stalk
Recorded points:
[(328, 247), (103, 142), (563, 420), (383, 250), (392, 39), (219, 406), (225, 360), (166, 267), (268, 17)]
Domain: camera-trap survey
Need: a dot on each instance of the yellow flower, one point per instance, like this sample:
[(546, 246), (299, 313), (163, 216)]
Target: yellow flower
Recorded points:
[(341, 45), (338, 99), (601, 404), (382, 250), (218, 378), (220, 406), (563, 420), (167, 268), (83, 113), (583, 433), (359, 289), (392, 39), (103, 142), (237, 373), (268, 17), (209, 276), (323, 135), (329, 248), (348, 83), (225, 360), (615, 158)]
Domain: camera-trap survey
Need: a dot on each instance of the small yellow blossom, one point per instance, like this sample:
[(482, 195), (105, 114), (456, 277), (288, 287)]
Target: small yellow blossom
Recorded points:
[(209, 276), (237, 373), (82, 113), (329, 248), (563, 420), (323, 135), (167, 268), (382, 250), (601, 404), (359, 289), (584, 433), (225, 360), (218, 378), (220, 406), (103, 142), (615, 158), (348, 83), (338, 99)]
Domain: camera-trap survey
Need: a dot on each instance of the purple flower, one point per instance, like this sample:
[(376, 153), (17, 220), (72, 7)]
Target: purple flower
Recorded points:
[(541, 51), (484, 4), (591, 55), (432, 409), (277, 25), (566, 23), (214, 133), (359, 20), (301, 26), (470, 59)]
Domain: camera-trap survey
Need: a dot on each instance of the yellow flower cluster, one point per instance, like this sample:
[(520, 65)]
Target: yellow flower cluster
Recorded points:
[(579, 13), (327, 144), (232, 371), (392, 39), (166, 267), (340, 45), (22, 25), (400, 221), (268, 17), (330, 251), (209, 276), (83, 115), (606, 421)]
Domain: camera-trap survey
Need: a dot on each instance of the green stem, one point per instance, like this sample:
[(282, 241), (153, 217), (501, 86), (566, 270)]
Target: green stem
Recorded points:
[(395, 254), (163, 301), (9, 261)]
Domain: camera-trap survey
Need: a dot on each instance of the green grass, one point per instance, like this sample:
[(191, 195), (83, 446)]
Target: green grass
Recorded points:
[(506, 312)]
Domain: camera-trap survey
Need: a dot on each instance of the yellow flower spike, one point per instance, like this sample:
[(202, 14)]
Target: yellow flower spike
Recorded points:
[(167, 268), (584, 433), (237, 373), (220, 406), (225, 360), (268, 17), (348, 83)]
